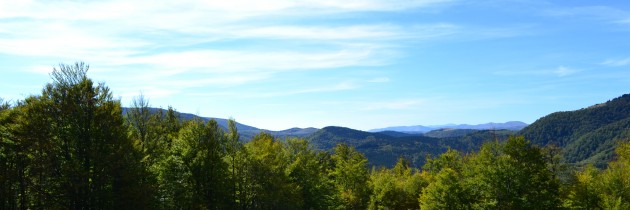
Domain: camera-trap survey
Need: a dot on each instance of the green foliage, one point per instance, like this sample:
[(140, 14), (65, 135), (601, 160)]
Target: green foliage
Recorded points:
[(513, 175), (269, 185), (587, 135), (72, 148), (583, 193), (397, 188), (383, 150), (308, 169), (12, 162), (450, 159), (200, 151), (446, 191), (67, 148), (614, 182), (350, 176)]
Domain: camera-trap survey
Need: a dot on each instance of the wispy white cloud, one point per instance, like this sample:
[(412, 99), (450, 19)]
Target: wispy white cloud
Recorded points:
[(379, 80), (342, 86), (230, 61), (120, 9), (393, 105), (606, 13), (124, 32), (335, 87), (560, 71), (150, 91), (156, 43), (353, 32), (616, 62)]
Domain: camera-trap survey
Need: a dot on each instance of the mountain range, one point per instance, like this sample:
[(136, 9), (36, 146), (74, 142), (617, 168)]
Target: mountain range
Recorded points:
[(585, 136), (247, 132), (382, 148), (511, 125)]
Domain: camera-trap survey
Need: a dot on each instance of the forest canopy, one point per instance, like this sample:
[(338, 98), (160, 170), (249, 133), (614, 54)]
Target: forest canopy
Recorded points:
[(71, 147)]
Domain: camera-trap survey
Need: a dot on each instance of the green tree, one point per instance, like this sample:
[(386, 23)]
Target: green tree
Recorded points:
[(446, 192), (614, 182), (396, 188), (153, 131), (199, 155), (78, 154), (267, 185), (351, 177), (450, 159), (308, 170), (174, 180), (512, 175), (236, 167), (12, 162), (583, 192)]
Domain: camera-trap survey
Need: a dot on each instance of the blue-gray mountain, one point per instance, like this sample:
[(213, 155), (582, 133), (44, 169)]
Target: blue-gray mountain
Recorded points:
[(511, 125)]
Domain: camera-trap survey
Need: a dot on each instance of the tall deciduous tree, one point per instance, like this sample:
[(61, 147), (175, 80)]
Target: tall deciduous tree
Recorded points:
[(269, 186), (79, 153), (198, 158), (614, 182), (446, 192), (308, 170), (583, 192), (351, 177), (396, 188), (512, 175), (12, 162)]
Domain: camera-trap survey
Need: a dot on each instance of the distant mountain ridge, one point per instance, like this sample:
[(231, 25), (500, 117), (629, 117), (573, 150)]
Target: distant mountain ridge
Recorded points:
[(247, 132), (585, 136), (511, 125), (384, 148)]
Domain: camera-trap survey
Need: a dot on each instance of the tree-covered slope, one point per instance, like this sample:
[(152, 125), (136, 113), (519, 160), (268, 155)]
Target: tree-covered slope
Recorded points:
[(380, 149), (588, 135), (384, 150), (449, 132)]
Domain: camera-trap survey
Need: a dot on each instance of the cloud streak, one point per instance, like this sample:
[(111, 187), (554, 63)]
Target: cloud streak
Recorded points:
[(616, 62), (606, 13), (156, 44), (560, 71)]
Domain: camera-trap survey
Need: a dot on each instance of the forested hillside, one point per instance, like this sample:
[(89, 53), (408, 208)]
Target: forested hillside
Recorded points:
[(381, 148), (384, 149), (588, 135), (71, 147)]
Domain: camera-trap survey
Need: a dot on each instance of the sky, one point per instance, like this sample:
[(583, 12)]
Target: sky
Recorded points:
[(363, 64)]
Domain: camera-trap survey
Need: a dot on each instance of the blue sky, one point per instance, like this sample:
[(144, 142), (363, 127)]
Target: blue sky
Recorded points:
[(362, 64)]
